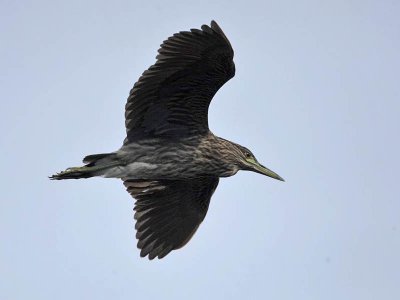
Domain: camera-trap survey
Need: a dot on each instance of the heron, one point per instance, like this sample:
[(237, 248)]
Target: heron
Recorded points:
[(170, 161)]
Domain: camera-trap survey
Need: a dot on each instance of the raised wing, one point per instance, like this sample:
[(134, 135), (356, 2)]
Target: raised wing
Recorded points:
[(172, 97), (168, 212)]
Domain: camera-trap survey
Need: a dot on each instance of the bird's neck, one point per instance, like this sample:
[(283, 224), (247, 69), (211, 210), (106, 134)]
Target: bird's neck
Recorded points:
[(219, 153)]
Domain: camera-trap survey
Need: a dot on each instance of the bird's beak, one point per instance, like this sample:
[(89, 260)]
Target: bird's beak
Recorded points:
[(259, 168)]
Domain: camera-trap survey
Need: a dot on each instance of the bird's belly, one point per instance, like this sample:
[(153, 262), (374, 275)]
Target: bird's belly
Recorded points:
[(159, 170), (135, 170)]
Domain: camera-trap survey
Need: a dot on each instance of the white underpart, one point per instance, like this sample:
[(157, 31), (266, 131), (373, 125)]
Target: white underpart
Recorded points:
[(133, 170)]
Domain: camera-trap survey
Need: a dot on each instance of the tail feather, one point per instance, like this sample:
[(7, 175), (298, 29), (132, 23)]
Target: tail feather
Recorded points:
[(96, 164), (92, 159), (73, 173)]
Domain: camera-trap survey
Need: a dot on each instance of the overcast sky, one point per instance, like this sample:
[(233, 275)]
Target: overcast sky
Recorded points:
[(315, 97)]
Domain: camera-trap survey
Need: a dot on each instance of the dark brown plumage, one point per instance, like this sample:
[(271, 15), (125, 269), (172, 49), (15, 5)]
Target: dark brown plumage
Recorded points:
[(171, 98), (170, 161), (169, 212)]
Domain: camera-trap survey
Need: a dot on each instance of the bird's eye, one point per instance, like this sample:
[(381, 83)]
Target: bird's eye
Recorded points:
[(247, 155)]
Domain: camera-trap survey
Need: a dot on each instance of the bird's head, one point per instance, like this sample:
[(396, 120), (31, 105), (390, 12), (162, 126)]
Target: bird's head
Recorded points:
[(247, 161)]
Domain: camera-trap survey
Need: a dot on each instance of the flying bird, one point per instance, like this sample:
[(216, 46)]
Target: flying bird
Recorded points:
[(170, 161)]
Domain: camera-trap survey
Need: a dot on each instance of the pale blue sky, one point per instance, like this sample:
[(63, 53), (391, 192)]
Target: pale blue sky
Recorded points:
[(315, 97)]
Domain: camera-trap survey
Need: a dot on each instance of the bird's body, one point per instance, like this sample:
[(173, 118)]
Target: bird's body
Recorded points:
[(170, 161)]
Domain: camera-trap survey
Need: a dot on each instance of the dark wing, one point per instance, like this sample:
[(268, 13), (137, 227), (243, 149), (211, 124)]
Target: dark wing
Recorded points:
[(168, 212), (171, 98)]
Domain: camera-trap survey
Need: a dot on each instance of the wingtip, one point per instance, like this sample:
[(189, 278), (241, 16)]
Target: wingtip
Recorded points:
[(214, 25), (53, 177), (216, 28)]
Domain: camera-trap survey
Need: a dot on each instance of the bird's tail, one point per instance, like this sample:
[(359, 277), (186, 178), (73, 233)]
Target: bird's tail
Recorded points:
[(96, 165)]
